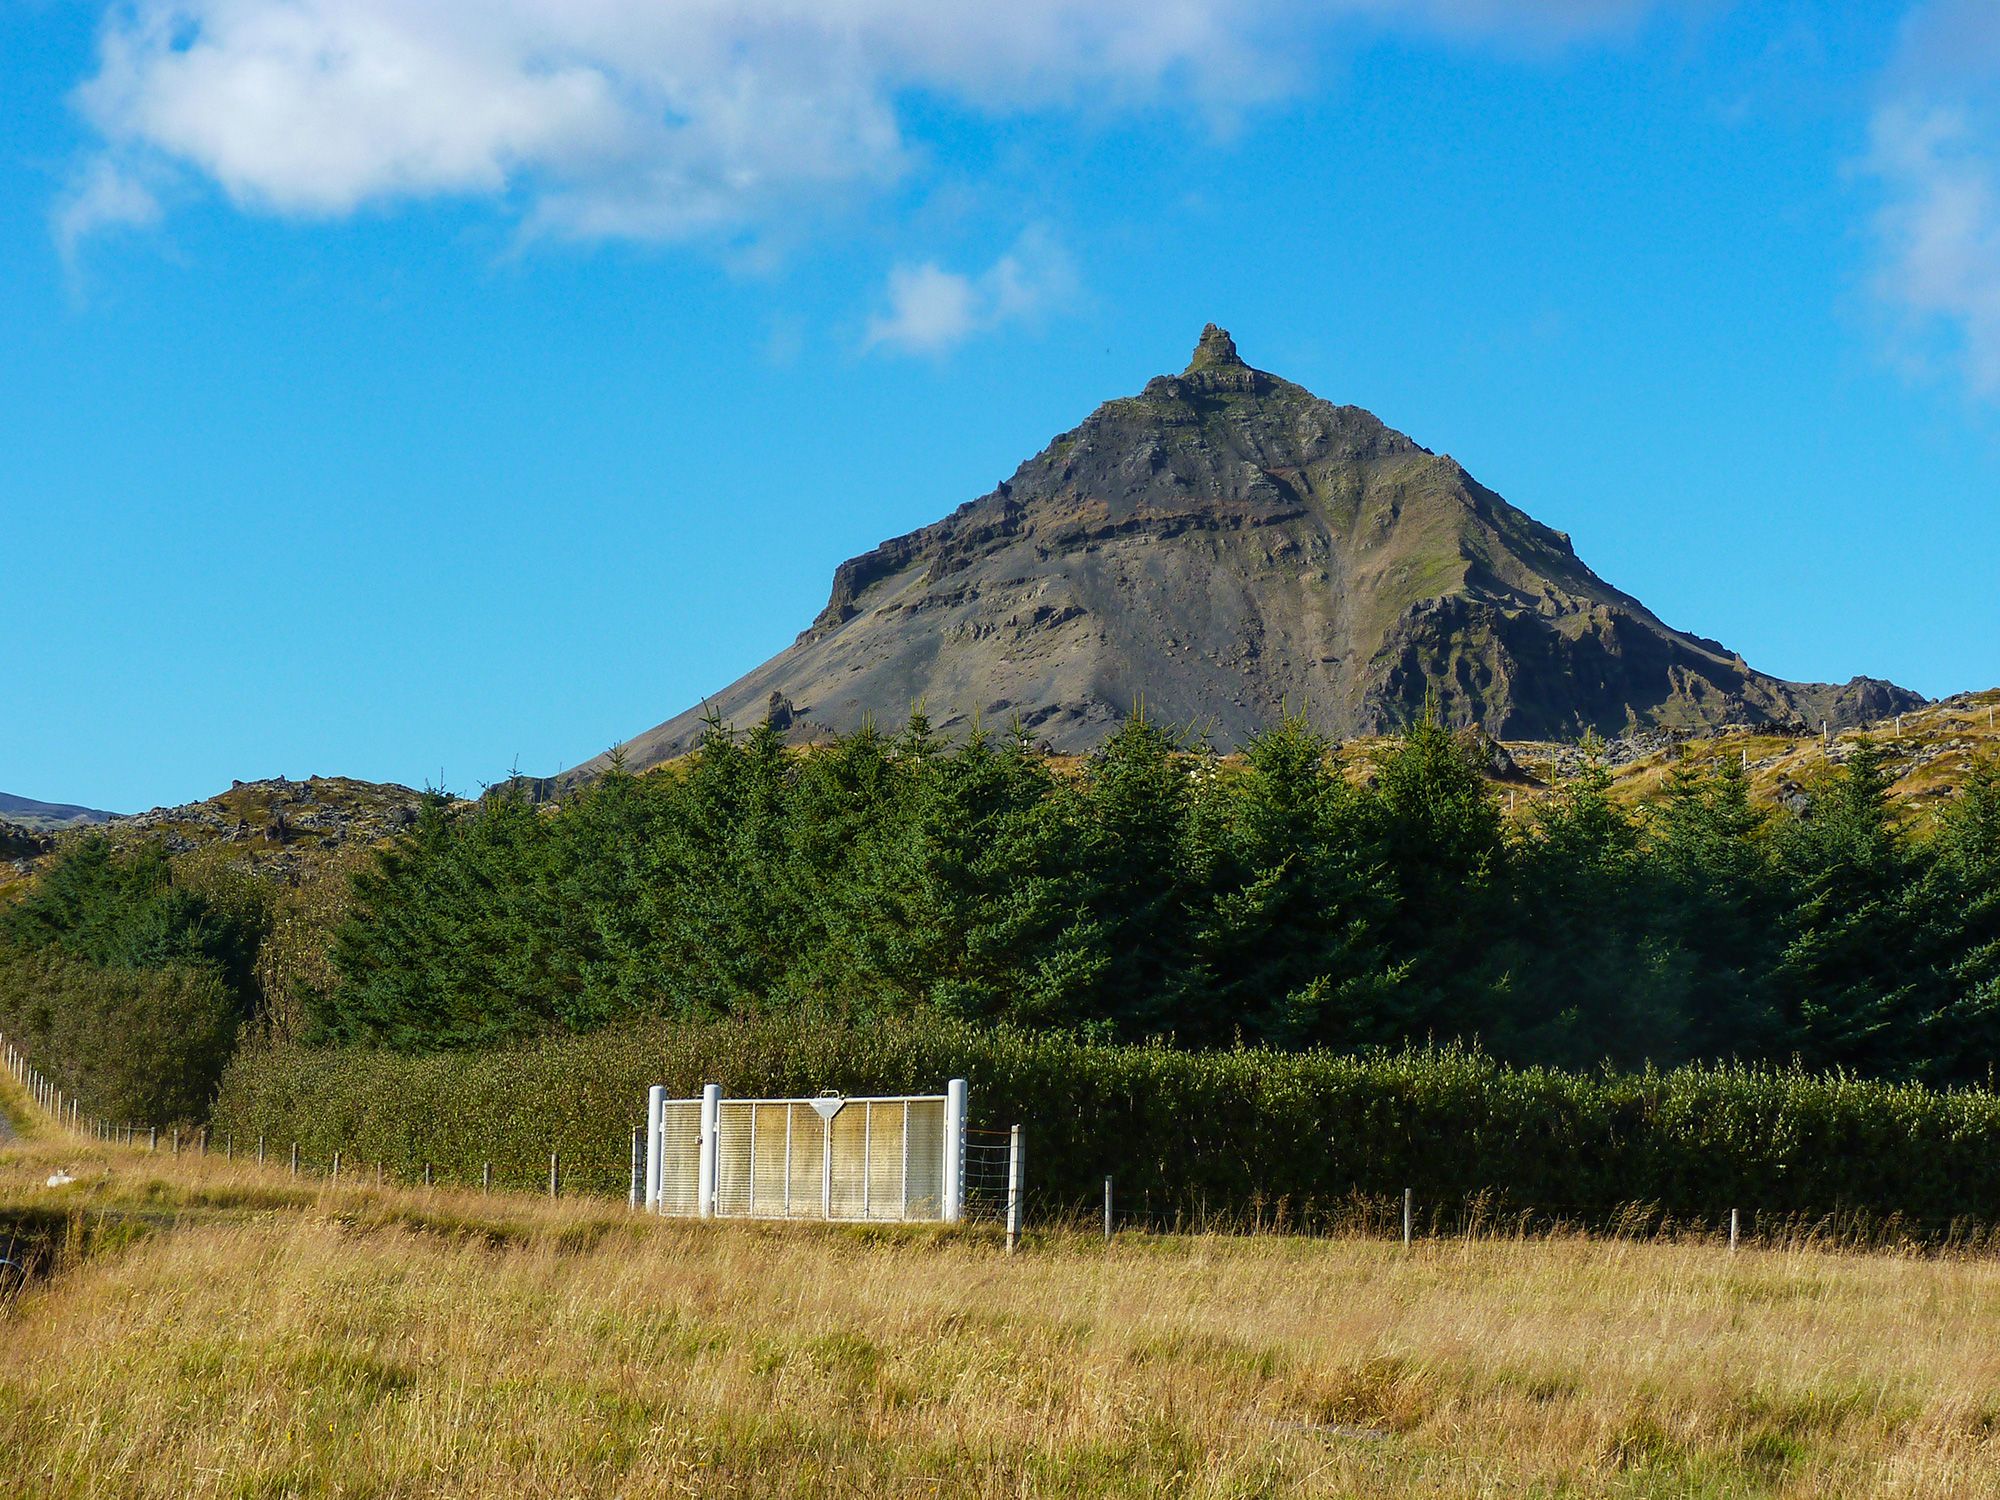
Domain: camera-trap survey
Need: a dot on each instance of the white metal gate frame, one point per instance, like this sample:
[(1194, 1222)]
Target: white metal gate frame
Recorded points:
[(671, 1122)]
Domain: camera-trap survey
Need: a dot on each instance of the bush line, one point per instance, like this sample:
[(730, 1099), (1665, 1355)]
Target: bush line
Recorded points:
[(1218, 1133)]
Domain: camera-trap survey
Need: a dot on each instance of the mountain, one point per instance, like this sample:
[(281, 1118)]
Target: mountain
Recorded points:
[(1222, 547), (25, 812)]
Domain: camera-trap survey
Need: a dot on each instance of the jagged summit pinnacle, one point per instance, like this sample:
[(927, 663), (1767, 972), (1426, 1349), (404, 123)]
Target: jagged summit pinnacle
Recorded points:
[(1215, 347)]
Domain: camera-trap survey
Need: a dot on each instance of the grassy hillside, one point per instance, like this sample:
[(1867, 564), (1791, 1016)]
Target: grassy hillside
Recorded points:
[(285, 831), (218, 1329), (1930, 751), (285, 846)]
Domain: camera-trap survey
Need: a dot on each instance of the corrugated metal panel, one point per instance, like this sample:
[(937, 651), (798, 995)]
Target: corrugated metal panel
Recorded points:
[(849, 1165), (769, 1198), (808, 1161), (926, 1181), (680, 1155), (733, 1125)]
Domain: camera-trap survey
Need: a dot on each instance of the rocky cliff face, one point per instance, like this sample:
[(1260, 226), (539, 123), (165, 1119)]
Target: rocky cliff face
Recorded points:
[(1224, 546)]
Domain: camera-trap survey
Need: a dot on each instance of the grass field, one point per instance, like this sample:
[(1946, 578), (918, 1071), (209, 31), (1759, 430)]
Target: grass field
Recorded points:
[(216, 1329)]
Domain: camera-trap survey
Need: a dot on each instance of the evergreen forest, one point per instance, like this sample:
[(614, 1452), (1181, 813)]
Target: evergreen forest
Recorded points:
[(1270, 899)]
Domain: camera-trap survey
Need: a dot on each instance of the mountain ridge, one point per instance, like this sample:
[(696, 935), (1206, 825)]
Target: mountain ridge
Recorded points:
[(26, 812), (1225, 546)]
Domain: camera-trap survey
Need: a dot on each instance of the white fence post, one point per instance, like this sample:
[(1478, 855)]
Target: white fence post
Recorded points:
[(711, 1115), (1013, 1189), (954, 1151), (656, 1106), (825, 1163)]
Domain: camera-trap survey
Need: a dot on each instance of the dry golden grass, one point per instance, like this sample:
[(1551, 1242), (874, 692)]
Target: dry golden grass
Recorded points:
[(1930, 751), (243, 1334)]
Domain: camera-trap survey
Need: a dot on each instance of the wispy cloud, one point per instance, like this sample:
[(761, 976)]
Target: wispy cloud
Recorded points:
[(1525, 21), (931, 310), (1939, 235), (102, 197), (1934, 154), (642, 119)]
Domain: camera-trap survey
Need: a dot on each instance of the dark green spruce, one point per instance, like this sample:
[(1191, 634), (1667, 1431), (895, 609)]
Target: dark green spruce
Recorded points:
[(1152, 892)]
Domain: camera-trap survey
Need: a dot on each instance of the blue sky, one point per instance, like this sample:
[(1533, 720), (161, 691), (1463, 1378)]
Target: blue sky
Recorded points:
[(414, 390)]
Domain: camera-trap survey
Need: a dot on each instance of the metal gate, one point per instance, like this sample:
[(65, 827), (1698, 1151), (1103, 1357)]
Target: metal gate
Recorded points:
[(896, 1158)]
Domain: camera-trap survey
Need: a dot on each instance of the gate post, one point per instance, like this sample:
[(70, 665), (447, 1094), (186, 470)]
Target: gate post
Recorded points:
[(954, 1151), (1013, 1189), (711, 1115), (656, 1098)]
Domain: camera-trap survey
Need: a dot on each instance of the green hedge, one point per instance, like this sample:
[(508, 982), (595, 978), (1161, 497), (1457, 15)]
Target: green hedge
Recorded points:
[(131, 1046), (1231, 1133)]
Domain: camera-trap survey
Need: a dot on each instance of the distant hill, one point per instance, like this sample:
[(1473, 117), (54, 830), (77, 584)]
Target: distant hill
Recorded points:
[(278, 822), (283, 829), (1226, 545), (26, 812)]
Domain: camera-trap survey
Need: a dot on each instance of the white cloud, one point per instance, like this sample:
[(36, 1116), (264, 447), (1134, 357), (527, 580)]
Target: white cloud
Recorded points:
[(1939, 233), (1524, 20), (1935, 155), (662, 119), (102, 197), (931, 310)]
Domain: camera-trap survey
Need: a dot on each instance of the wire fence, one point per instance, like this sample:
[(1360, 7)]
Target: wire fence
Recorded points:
[(66, 1110), (66, 1113), (995, 1192), (986, 1173)]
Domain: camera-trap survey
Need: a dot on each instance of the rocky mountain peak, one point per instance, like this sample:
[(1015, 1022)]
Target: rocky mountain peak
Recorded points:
[(1215, 348), (1227, 546)]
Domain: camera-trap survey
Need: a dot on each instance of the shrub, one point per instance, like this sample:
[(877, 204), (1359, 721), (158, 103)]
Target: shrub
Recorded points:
[(135, 1046), (1219, 1133)]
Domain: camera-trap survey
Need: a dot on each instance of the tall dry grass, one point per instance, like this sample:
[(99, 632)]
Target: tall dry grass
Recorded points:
[(256, 1336)]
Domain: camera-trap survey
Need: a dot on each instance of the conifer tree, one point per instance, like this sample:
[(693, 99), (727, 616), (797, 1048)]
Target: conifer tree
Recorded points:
[(720, 897), (1853, 989), (603, 960), (1125, 956), (1596, 982), (1151, 893), (1287, 948), (1962, 1037), (966, 894), (1718, 903), (1439, 830)]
